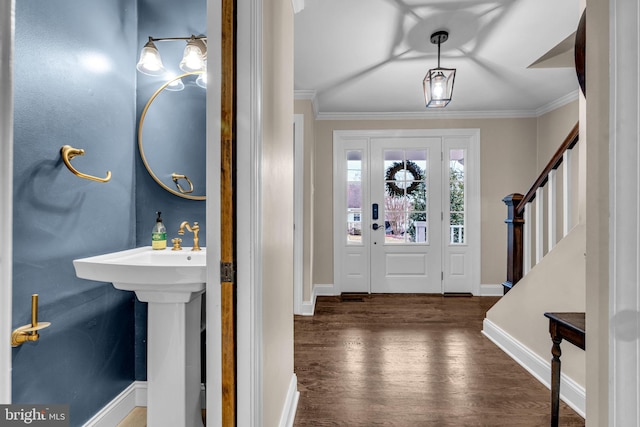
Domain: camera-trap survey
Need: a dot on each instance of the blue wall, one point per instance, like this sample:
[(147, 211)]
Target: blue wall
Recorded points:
[(163, 18), (75, 83)]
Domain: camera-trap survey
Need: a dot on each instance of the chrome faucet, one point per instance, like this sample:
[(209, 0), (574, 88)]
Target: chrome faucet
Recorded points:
[(194, 229)]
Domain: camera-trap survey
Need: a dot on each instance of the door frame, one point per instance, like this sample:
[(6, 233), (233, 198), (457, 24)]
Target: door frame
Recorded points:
[(6, 195), (473, 202), (298, 213)]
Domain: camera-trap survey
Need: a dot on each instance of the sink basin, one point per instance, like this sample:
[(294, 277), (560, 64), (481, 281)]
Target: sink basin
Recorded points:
[(154, 275), (172, 283)]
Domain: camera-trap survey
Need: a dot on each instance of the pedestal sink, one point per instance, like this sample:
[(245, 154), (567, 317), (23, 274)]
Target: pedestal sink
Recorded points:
[(172, 283)]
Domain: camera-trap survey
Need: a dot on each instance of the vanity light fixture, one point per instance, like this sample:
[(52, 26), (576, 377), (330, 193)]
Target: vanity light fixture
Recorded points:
[(193, 59), (438, 83)]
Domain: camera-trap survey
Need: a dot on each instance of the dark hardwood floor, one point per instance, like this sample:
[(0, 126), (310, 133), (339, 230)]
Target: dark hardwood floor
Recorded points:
[(411, 360)]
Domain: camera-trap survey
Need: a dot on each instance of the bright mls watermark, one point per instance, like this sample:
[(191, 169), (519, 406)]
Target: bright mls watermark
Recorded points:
[(34, 415)]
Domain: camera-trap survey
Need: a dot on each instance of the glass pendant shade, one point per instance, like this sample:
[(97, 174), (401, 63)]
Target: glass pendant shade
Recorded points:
[(202, 78), (438, 87), (150, 62), (175, 85), (194, 56)]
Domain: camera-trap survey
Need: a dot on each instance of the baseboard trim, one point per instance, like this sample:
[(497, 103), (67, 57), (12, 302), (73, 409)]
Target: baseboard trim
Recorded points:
[(290, 404), (491, 290), (117, 410), (309, 307), (571, 392)]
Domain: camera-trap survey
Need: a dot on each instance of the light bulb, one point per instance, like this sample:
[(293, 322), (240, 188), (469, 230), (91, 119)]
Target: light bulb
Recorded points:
[(150, 62), (439, 86), (194, 56)]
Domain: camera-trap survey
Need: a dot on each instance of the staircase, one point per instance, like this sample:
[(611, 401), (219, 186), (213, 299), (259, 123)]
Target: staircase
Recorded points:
[(526, 243), (545, 259)]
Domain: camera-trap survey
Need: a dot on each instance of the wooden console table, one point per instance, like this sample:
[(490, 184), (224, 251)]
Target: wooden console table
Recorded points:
[(570, 327)]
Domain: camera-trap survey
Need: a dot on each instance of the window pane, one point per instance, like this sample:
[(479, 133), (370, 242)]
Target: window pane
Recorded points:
[(456, 228), (354, 197), (405, 196), (457, 197)]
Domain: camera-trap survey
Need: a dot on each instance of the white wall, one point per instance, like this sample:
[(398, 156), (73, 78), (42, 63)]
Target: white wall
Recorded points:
[(556, 284), (597, 133), (277, 207), (305, 108)]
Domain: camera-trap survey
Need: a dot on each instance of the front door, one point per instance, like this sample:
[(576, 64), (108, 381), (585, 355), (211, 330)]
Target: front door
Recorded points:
[(406, 237), (406, 214)]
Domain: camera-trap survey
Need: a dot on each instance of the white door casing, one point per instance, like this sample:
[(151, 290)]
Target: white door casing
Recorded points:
[(6, 194), (439, 266), (298, 213)]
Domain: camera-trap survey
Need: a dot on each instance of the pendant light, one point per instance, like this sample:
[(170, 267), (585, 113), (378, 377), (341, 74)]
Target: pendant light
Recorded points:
[(438, 83)]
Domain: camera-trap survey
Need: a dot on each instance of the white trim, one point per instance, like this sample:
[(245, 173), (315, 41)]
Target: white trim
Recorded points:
[(310, 95), (425, 115), (288, 415), (444, 114), (249, 207), (624, 234), (325, 290), (298, 212), (560, 102), (298, 5), (7, 11), (491, 290), (212, 296), (116, 410), (309, 307), (571, 392), (135, 395)]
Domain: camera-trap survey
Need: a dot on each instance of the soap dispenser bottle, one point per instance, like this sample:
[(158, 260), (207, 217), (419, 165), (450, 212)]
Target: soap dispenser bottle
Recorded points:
[(159, 234)]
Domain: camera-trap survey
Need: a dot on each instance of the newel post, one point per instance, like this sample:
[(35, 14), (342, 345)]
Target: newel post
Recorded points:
[(515, 222)]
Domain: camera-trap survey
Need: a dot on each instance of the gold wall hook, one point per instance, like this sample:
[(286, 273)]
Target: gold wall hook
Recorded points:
[(68, 152), (29, 332)]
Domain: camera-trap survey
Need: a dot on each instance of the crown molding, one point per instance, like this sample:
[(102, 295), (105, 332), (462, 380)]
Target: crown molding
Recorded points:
[(311, 95), (308, 95), (425, 115), (560, 102)]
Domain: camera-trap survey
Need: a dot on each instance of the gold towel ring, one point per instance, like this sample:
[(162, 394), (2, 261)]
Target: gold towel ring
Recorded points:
[(68, 152), (176, 177)]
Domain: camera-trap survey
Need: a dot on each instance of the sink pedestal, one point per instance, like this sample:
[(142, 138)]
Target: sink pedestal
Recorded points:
[(172, 283), (173, 364)]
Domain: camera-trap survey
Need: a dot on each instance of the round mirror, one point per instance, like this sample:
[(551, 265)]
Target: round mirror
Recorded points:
[(172, 136)]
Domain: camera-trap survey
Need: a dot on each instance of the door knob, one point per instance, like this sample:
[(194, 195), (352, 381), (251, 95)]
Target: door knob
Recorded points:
[(375, 226)]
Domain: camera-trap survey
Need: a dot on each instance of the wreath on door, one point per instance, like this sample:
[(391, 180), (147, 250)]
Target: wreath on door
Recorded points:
[(392, 183)]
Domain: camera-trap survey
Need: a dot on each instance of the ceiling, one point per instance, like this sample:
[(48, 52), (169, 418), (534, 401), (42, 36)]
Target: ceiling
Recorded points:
[(367, 58)]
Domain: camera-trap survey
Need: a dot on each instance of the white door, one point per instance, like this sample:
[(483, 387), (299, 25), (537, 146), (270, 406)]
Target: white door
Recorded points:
[(406, 236), (406, 211)]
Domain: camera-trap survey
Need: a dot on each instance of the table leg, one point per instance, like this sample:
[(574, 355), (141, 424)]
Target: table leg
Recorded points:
[(555, 381)]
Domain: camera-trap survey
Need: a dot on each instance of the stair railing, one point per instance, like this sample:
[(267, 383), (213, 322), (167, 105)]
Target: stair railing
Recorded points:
[(526, 241)]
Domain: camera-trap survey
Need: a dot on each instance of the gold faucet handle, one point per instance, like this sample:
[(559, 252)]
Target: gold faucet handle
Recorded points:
[(176, 244)]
